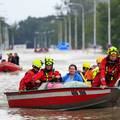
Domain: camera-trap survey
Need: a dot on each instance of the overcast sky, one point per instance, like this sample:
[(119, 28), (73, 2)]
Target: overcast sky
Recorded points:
[(16, 10)]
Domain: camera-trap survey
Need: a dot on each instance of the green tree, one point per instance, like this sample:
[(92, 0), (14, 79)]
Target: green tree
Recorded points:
[(25, 33), (102, 28), (115, 24), (102, 24)]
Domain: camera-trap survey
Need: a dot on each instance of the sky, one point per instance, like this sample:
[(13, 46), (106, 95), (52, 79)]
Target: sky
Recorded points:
[(16, 10)]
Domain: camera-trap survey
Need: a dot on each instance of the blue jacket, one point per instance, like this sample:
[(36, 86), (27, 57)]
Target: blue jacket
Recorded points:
[(77, 77)]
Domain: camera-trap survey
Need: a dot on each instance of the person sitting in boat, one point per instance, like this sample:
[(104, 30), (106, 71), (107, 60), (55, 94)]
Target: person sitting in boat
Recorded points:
[(3, 60), (96, 67), (16, 59), (48, 74), (73, 75), (109, 69), (11, 58), (87, 72), (26, 82), (96, 70)]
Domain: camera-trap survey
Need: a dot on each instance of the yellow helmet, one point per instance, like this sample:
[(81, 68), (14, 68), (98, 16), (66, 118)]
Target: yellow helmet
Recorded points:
[(49, 61), (99, 59), (37, 63), (112, 50), (86, 64)]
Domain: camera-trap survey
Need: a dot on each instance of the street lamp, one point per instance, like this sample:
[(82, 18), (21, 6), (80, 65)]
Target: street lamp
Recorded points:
[(66, 3), (94, 42), (65, 29), (76, 29), (35, 39), (45, 39), (83, 22), (64, 12), (109, 24), (50, 36), (60, 26), (0, 35), (69, 29)]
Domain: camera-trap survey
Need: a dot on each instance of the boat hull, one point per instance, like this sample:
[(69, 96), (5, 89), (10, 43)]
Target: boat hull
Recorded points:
[(64, 98), (9, 67)]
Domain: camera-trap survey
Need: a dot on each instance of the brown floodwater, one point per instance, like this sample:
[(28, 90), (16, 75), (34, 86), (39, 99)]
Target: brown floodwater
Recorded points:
[(112, 113), (10, 82)]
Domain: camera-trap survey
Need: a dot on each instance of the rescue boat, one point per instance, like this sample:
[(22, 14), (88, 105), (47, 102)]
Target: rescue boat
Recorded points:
[(64, 98), (9, 67)]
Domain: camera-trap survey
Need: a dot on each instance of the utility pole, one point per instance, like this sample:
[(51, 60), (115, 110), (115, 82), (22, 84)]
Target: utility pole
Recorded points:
[(69, 30), (35, 39), (109, 23), (61, 31), (65, 26), (83, 22), (94, 42), (76, 30), (0, 36), (83, 27)]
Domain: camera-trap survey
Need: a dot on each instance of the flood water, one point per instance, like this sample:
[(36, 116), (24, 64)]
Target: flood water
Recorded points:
[(10, 82)]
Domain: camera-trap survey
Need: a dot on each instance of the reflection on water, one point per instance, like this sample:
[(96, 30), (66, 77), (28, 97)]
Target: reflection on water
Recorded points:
[(38, 114)]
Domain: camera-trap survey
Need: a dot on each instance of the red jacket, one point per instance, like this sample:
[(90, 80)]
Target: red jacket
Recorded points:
[(26, 82), (109, 72), (44, 75)]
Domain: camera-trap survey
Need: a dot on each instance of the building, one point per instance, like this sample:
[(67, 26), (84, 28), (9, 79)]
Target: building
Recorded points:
[(4, 34)]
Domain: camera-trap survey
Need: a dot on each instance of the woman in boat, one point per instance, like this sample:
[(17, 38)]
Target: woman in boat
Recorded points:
[(48, 74), (16, 59), (73, 75), (26, 82), (109, 69), (11, 58)]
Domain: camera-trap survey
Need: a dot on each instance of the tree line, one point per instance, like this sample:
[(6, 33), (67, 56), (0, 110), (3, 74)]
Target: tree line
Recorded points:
[(39, 29)]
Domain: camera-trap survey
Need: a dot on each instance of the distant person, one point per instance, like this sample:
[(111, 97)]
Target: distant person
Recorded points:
[(11, 58), (3, 60), (0, 55), (87, 72), (26, 82), (72, 75), (16, 59)]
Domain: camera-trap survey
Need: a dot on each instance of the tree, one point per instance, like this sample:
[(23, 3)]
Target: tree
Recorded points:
[(103, 22), (115, 15), (25, 32)]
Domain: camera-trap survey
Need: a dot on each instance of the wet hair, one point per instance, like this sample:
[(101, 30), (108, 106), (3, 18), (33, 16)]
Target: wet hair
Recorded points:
[(3, 60), (73, 65), (15, 54)]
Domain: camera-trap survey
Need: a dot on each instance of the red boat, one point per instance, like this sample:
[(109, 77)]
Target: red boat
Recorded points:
[(64, 98), (9, 67), (41, 50)]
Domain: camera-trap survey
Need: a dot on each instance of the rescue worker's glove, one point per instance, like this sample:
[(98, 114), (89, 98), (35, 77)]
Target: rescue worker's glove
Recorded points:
[(103, 82), (103, 86), (20, 91), (56, 78), (37, 81)]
